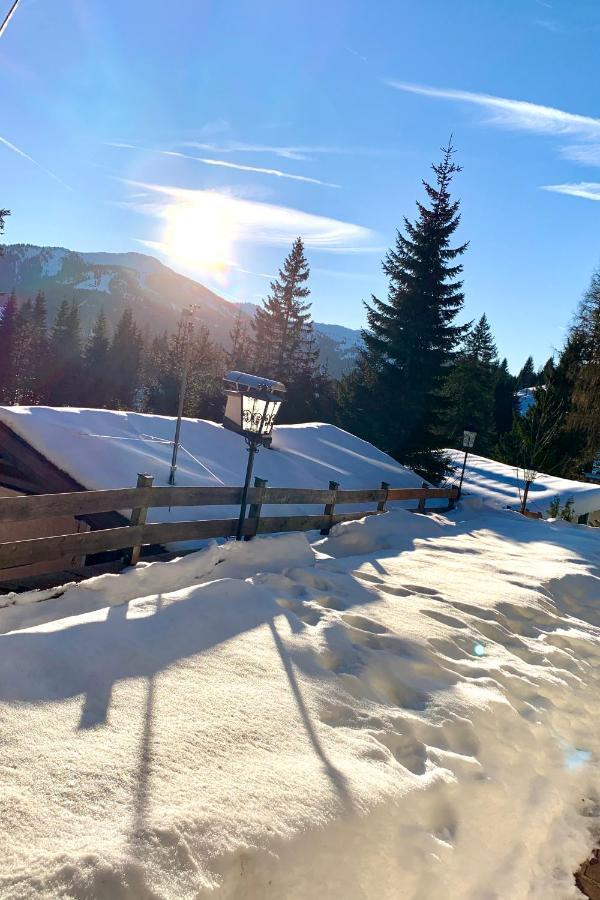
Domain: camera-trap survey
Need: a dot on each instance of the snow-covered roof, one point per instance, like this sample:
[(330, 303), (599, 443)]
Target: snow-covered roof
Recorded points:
[(104, 449), (503, 484)]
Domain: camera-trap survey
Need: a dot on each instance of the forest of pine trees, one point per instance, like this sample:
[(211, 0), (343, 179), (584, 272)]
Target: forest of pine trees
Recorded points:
[(421, 378)]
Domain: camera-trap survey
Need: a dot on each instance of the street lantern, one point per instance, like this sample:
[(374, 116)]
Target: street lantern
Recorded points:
[(252, 405), (468, 443)]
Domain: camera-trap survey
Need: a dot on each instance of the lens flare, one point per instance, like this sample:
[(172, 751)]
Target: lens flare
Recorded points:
[(199, 233)]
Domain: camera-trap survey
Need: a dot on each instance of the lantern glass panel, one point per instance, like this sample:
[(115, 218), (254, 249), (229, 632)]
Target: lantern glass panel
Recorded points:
[(469, 439), (253, 411), (258, 414)]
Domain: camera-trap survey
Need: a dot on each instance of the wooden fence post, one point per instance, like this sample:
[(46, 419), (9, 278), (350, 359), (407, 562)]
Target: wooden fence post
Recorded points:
[(138, 517), (330, 507), (254, 512), (452, 500), (422, 500), (381, 505)]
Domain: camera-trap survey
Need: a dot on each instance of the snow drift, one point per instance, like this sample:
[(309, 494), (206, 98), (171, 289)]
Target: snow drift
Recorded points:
[(406, 710)]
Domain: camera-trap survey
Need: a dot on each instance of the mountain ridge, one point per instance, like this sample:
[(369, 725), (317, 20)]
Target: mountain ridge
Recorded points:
[(155, 293)]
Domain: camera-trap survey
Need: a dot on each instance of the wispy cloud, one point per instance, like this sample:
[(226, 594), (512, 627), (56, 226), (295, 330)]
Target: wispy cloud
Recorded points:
[(30, 159), (198, 224), (586, 154), (588, 190), (519, 115), (297, 152), (226, 164)]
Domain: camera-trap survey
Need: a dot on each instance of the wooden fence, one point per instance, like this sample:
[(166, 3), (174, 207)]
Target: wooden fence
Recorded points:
[(132, 537)]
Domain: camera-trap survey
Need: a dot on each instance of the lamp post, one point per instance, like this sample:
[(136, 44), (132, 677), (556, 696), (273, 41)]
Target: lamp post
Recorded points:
[(468, 443), (252, 405), (187, 349)]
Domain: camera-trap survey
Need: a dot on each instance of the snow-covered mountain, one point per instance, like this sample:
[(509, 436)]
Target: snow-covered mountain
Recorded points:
[(156, 294), (113, 281)]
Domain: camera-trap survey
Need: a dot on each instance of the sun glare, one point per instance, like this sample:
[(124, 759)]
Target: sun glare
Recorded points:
[(199, 233)]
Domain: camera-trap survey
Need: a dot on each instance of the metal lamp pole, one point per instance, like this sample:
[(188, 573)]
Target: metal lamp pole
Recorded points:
[(253, 443), (182, 389)]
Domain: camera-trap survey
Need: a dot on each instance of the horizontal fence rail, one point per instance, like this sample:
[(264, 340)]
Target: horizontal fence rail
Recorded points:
[(132, 537)]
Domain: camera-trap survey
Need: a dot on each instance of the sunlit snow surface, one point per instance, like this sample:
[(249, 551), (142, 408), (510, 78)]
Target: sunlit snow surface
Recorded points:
[(103, 448), (502, 485), (406, 710)]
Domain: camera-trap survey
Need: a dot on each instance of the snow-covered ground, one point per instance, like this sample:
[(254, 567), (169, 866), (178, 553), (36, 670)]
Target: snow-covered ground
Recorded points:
[(103, 448), (408, 710), (502, 485)]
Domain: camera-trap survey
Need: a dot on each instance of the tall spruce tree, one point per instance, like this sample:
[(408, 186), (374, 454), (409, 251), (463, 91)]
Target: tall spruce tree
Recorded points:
[(396, 400), (124, 363), (23, 373), (527, 376), (95, 365), (505, 404), (282, 327), (64, 357), (39, 348), (8, 333), (470, 387), (240, 354), (284, 342)]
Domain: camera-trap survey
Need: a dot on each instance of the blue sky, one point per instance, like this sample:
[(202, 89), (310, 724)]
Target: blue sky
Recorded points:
[(211, 133)]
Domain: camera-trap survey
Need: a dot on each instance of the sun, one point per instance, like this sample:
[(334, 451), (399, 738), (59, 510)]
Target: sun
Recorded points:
[(199, 233)]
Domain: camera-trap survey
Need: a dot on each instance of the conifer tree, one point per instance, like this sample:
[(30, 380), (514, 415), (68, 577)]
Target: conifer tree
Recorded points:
[(39, 348), (282, 327), (585, 332), (239, 357), (24, 376), (505, 405), (124, 363), (411, 337), (527, 376), (8, 317), (470, 388), (95, 365), (64, 357)]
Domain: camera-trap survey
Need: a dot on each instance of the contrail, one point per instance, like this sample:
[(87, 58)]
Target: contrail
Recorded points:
[(8, 16), (26, 156)]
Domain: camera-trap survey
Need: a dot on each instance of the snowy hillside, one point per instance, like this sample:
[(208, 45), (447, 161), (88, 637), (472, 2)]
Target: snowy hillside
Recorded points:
[(156, 294), (406, 713), (112, 281), (502, 485), (106, 449)]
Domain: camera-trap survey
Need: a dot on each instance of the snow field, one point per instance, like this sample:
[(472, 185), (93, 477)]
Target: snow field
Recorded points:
[(502, 485), (405, 711)]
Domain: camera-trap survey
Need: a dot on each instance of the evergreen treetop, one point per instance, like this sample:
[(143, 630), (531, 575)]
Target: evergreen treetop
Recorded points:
[(411, 336), (282, 326)]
